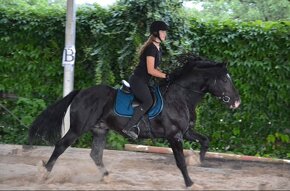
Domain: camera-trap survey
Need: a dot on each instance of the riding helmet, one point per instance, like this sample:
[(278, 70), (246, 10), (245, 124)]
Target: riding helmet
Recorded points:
[(156, 26)]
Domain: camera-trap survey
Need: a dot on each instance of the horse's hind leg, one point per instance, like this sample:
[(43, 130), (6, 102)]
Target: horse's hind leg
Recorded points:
[(99, 142), (60, 147), (177, 149), (192, 135)]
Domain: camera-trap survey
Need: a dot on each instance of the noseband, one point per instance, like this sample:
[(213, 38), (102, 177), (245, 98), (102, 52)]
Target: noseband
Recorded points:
[(224, 98)]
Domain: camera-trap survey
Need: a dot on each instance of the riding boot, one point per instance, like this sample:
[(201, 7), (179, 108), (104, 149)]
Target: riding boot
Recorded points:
[(139, 112)]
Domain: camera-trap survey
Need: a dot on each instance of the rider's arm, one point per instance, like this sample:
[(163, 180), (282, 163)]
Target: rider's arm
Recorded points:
[(150, 60)]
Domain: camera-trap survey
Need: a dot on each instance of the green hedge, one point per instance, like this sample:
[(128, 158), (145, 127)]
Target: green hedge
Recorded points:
[(31, 45), (258, 57)]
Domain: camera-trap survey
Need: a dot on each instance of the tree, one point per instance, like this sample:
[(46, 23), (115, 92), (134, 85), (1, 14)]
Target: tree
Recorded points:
[(34, 5), (243, 10)]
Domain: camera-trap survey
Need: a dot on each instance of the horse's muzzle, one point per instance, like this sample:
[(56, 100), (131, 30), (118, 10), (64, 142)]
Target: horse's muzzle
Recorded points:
[(236, 104)]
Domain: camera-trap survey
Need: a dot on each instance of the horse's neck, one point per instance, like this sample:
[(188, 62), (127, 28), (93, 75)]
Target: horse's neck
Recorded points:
[(193, 99), (184, 95)]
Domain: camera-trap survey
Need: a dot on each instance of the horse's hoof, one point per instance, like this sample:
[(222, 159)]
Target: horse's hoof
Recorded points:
[(195, 187), (41, 166), (42, 171), (202, 157), (106, 179), (106, 173)]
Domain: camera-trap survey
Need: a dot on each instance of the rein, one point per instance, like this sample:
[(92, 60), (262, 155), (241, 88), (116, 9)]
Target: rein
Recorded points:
[(224, 98), (195, 91)]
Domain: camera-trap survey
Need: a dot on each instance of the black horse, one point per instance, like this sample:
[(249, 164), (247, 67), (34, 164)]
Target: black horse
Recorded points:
[(92, 110)]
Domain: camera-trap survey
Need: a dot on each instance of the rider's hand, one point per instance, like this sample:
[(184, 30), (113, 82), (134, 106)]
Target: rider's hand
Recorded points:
[(168, 78)]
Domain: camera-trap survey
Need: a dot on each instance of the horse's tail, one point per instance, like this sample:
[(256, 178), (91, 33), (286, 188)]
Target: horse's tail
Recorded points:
[(47, 126)]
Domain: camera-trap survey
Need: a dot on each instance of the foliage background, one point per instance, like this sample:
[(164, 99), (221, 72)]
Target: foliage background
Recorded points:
[(32, 40), (240, 10)]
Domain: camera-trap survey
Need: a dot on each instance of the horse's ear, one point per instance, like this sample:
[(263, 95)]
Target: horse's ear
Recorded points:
[(220, 64), (226, 63), (223, 64)]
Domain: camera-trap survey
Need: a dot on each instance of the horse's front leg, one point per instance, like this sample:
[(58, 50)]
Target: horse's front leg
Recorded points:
[(177, 148), (98, 145), (192, 135)]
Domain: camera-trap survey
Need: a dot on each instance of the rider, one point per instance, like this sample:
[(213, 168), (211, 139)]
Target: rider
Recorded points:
[(149, 60)]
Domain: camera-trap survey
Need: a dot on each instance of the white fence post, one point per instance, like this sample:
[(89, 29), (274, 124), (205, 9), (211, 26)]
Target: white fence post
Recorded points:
[(69, 55)]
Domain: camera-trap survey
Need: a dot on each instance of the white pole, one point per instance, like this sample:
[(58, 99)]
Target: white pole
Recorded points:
[(69, 55)]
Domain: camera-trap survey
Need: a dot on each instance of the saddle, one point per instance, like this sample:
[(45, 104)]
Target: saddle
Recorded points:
[(126, 102)]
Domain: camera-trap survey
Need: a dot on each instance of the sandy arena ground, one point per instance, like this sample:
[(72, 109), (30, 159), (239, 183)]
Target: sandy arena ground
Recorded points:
[(20, 169)]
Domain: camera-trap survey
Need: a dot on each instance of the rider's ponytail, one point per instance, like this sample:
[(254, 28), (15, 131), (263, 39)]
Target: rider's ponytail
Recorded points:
[(143, 47)]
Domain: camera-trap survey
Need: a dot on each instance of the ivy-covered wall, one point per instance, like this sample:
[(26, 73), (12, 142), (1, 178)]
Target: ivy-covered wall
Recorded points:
[(259, 61), (32, 41)]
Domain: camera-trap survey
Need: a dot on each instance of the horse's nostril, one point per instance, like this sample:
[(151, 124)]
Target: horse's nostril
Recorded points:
[(237, 103)]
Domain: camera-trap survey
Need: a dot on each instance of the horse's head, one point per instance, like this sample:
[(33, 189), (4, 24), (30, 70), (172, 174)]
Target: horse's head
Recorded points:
[(220, 84), (210, 77)]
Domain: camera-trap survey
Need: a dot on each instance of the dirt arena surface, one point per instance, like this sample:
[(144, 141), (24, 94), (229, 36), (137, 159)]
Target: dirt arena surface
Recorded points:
[(20, 169)]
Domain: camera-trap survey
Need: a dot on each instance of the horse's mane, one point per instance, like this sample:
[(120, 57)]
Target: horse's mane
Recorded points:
[(190, 62)]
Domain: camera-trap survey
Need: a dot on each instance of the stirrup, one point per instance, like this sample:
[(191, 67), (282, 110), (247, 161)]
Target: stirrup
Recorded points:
[(130, 133)]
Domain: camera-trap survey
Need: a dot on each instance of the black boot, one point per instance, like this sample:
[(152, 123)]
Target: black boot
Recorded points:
[(138, 113)]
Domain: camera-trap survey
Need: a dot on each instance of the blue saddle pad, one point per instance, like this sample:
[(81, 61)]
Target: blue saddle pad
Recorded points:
[(123, 104)]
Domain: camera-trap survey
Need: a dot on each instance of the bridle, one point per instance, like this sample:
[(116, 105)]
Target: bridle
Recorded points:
[(224, 98)]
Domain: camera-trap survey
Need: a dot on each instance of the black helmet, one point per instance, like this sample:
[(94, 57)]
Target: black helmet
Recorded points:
[(156, 26)]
